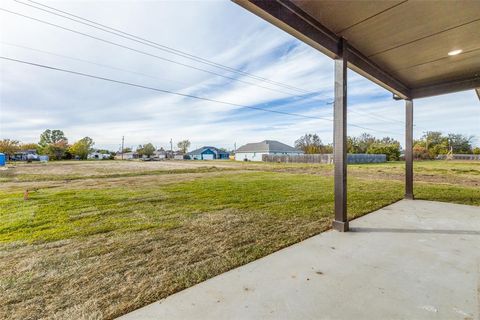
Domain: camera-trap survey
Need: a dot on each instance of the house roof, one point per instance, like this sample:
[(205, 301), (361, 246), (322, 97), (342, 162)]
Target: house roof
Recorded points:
[(267, 146), (406, 47), (202, 149), (27, 150)]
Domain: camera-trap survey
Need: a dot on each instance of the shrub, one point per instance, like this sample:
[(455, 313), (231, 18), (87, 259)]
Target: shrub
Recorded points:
[(392, 151), (420, 152)]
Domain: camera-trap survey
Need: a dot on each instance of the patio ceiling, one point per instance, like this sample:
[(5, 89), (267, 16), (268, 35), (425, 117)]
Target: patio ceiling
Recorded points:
[(403, 46)]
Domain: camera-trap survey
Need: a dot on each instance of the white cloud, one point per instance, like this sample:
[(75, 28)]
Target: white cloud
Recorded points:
[(33, 99)]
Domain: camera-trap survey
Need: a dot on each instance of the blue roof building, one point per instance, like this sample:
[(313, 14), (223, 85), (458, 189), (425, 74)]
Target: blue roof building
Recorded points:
[(208, 153)]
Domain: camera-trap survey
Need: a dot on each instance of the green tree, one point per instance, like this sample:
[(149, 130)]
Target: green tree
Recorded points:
[(146, 150), (183, 146), (327, 148), (365, 141), (57, 150), (82, 148), (51, 136), (420, 152), (54, 144), (352, 145), (391, 150), (9, 147), (460, 143), (432, 138), (362, 143), (476, 150), (312, 144), (435, 143), (31, 146)]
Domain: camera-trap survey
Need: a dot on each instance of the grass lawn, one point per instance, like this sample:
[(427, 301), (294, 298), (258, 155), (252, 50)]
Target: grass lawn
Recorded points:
[(98, 239)]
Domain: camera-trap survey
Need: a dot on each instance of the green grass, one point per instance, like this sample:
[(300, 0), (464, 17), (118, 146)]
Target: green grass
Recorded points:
[(448, 193), (425, 167), (55, 214), (52, 214), (98, 239)]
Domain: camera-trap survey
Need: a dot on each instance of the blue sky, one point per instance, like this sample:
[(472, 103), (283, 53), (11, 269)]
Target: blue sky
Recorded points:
[(34, 99)]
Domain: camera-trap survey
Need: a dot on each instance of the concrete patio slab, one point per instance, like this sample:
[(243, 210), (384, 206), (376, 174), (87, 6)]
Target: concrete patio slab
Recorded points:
[(410, 260)]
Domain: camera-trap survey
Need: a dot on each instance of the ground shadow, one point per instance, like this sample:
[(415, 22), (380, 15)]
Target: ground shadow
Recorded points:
[(398, 230)]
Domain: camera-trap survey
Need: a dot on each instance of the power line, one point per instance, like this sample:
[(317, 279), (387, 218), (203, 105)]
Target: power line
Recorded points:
[(142, 52), (155, 44), (90, 62), (182, 94), (159, 90), (126, 70), (170, 50), (372, 115), (376, 116), (153, 77)]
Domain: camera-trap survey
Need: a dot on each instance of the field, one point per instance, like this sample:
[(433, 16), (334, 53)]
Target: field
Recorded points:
[(95, 240)]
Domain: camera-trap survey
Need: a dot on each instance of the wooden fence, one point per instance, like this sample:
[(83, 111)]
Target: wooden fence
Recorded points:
[(323, 158), (459, 157)]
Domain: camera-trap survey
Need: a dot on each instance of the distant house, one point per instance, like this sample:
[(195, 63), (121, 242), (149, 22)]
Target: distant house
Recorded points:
[(127, 156), (255, 151), (177, 155), (26, 155), (98, 155), (208, 153), (160, 154)]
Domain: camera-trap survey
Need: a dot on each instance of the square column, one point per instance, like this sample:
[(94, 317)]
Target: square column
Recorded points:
[(409, 149), (340, 140)]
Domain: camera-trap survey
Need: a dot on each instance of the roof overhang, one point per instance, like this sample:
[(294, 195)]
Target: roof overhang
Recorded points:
[(402, 46)]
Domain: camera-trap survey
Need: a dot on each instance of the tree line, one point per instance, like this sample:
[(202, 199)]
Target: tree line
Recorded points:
[(55, 144), (429, 146), (365, 143), (148, 149), (434, 143)]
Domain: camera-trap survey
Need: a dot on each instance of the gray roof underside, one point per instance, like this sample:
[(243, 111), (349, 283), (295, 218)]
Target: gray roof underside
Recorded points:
[(266, 146)]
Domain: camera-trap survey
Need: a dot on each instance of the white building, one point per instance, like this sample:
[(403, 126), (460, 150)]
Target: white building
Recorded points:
[(98, 156), (126, 156), (160, 154), (255, 151)]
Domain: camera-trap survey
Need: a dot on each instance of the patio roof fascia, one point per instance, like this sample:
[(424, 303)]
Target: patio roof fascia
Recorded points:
[(290, 18), (447, 87)]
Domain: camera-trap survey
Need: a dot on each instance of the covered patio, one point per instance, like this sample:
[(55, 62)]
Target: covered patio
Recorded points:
[(414, 49), (410, 260)]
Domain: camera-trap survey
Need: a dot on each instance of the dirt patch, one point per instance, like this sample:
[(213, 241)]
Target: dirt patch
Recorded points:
[(129, 181)]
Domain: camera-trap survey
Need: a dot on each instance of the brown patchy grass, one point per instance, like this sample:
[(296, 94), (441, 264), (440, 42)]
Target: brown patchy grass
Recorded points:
[(97, 274), (219, 218)]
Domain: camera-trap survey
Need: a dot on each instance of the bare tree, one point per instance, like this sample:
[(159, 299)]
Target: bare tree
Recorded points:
[(183, 145)]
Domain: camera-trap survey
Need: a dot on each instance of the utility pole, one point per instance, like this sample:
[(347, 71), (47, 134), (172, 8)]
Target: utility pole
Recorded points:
[(171, 148), (123, 140)]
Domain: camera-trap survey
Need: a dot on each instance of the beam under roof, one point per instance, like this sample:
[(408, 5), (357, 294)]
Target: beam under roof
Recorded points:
[(288, 16), (446, 87)]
